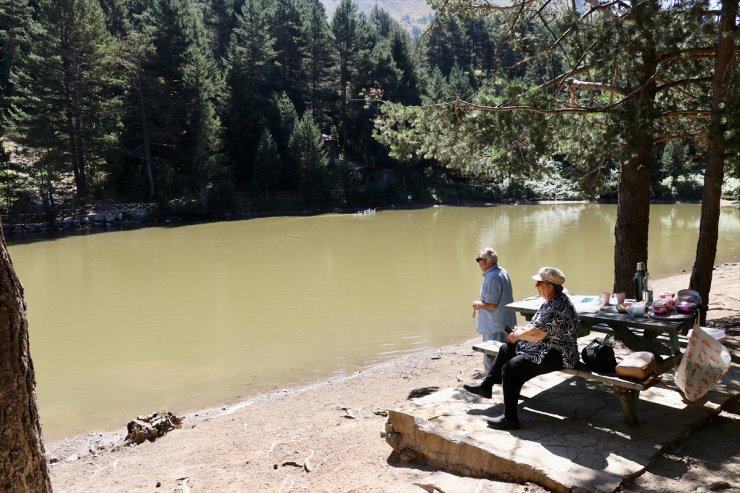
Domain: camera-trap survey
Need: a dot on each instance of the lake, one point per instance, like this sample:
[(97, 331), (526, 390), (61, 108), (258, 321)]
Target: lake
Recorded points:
[(187, 317)]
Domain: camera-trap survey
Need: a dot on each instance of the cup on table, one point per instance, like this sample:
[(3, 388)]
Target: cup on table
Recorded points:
[(620, 298), (605, 295)]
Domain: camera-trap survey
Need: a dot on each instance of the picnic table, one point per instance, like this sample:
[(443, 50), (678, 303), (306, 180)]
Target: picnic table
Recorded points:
[(648, 333), (638, 334)]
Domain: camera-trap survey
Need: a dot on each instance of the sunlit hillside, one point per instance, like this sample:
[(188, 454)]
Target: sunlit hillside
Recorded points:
[(413, 15), (396, 8)]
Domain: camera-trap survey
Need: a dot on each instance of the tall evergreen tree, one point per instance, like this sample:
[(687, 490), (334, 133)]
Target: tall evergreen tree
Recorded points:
[(308, 149), (202, 143), (16, 25), (251, 78), (69, 107), (320, 61), (139, 137), (401, 50), (290, 44), (117, 16), (267, 163), (220, 20), (183, 115), (344, 25)]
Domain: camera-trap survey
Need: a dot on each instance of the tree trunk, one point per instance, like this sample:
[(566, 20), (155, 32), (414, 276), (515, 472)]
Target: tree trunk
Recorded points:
[(633, 215), (22, 463), (145, 136), (706, 248), (633, 210)]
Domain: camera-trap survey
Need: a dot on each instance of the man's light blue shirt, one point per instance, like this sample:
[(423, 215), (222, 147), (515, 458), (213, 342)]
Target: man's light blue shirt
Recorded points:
[(496, 289)]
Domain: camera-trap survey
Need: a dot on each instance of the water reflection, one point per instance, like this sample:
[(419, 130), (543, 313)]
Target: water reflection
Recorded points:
[(129, 322)]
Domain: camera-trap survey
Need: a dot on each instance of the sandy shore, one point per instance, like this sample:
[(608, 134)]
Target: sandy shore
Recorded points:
[(326, 436)]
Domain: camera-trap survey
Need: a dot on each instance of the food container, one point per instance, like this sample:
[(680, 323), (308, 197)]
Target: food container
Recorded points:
[(669, 298), (637, 309), (689, 295), (685, 307), (665, 295), (624, 307), (661, 307)]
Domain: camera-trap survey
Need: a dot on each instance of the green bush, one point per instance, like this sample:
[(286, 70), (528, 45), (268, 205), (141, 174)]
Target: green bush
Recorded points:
[(731, 188), (688, 187)]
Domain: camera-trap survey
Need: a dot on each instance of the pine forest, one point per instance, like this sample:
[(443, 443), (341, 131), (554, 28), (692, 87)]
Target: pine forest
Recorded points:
[(208, 108)]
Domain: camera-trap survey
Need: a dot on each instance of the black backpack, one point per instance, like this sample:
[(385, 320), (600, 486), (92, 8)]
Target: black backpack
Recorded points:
[(599, 355)]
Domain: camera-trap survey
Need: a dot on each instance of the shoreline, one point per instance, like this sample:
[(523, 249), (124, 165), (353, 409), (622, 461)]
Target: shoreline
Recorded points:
[(333, 425), (18, 232)]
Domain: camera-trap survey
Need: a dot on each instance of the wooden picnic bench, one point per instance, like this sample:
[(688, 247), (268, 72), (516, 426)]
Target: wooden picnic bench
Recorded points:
[(627, 391)]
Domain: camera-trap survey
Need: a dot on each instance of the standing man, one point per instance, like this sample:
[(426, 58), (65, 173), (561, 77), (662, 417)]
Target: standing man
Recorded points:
[(495, 294)]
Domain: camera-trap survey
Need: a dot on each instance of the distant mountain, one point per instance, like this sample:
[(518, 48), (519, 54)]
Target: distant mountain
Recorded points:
[(413, 9)]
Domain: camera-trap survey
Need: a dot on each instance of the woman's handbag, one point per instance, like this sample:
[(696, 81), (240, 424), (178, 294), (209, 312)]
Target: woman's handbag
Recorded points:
[(599, 355)]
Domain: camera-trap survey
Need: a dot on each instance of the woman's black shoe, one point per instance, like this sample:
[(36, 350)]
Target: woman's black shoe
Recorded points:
[(501, 423)]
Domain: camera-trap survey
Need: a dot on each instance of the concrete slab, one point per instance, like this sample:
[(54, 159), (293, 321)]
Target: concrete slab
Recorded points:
[(573, 434)]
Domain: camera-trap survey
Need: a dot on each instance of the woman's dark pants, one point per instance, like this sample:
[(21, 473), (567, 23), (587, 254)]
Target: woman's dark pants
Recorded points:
[(513, 371)]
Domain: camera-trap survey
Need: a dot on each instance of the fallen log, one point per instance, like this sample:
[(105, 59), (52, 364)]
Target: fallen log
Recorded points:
[(150, 427)]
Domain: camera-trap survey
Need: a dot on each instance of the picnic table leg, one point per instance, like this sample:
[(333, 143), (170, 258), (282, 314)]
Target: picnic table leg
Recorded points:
[(628, 399)]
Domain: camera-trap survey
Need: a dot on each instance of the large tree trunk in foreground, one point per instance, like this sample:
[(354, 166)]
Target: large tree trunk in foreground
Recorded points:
[(22, 462), (706, 248)]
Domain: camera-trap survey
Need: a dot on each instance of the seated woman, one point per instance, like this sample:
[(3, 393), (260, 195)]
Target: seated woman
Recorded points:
[(547, 343)]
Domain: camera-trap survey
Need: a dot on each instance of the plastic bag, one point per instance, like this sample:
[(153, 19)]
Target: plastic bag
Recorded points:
[(704, 362)]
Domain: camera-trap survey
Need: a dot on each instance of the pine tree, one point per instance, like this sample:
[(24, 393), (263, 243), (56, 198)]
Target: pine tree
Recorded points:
[(220, 20), (138, 138), (16, 26), (183, 103), (673, 160), (267, 164), (290, 44), (345, 29), (69, 108), (251, 78), (202, 142), (320, 60), (281, 121), (117, 16), (308, 149)]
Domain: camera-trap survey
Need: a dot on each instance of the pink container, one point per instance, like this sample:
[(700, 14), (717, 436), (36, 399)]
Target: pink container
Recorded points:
[(660, 307)]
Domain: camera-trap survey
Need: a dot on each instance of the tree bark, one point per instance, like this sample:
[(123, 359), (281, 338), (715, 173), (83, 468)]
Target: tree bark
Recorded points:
[(633, 209), (706, 248), (22, 463)]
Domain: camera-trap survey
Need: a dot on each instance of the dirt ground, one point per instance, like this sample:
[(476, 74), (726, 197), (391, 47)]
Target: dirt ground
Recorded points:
[(326, 437)]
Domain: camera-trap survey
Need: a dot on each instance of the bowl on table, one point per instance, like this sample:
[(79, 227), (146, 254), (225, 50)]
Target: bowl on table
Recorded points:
[(685, 307), (689, 295)]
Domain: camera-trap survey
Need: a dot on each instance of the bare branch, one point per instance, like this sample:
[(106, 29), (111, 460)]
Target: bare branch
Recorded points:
[(698, 114), (595, 86), (695, 136), (676, 84), (688, 54), (561, 78)]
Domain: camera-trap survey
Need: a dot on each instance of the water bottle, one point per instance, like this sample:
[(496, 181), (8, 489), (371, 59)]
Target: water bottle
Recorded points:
[(647, 292), (639, 281)]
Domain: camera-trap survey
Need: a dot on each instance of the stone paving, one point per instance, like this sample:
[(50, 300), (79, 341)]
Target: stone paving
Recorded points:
[(573, 435)]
